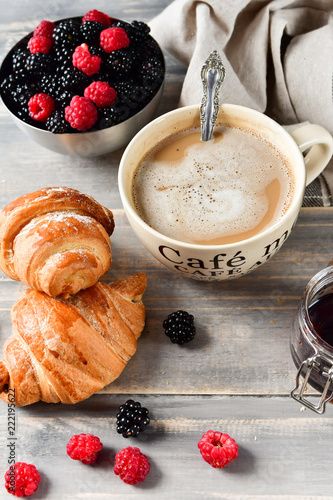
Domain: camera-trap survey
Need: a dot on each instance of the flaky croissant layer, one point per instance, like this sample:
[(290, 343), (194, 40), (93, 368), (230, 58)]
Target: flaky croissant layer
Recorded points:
[(65, 350), (56, 240)]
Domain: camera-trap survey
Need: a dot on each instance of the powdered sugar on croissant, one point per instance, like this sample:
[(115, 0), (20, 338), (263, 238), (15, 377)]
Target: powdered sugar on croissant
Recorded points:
[(56, 240), (64, 350)]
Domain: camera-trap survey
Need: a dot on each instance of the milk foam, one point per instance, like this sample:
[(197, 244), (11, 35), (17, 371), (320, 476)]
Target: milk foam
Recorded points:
[(215, 189)]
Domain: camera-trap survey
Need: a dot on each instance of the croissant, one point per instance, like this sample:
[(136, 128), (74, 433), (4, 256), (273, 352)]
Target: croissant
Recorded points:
[(56, 240), (64, 350)]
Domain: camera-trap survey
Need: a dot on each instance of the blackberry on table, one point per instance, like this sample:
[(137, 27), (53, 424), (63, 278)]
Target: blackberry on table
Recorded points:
[(132, 419), (179, 327)]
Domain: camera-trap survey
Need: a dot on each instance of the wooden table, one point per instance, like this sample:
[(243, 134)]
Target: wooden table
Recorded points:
[(237, 374)]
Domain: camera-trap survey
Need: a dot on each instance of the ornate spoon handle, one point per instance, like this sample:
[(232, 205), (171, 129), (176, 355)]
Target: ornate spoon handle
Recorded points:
[(212, 75)]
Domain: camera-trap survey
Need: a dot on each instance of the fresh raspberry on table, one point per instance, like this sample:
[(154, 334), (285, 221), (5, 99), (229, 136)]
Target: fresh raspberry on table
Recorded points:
[(81, 113), (131, 465), (45, 28), (101, 94), (22, 479), (97, 16), (113, 39), (40, 107), (84, 447), (40, 44), (218, 449), (84, 61)]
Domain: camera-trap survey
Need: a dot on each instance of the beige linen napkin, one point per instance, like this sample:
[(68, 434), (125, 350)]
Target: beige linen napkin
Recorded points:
[(278, 56)]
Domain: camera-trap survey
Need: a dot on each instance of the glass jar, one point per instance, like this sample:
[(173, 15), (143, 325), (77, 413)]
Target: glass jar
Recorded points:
[(311, 354)]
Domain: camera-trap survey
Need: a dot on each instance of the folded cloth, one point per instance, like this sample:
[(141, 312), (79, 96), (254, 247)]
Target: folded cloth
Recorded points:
[(278, 56)]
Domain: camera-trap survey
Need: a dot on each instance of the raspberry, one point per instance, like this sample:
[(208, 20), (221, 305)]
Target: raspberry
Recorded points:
[(84, 447), (218, 449), (83, 60), (40, 44), (179, 327), (113, 39), (131, 465), (132, 419), (45, 28), (101, 94), (81, 113), (22, 479), (40, 107), (96, 15)]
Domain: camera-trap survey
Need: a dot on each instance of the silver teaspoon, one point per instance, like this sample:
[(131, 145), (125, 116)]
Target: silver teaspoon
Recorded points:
[(212, 75)]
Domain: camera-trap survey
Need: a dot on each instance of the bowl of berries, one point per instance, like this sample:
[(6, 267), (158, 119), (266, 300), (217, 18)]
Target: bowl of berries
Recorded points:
[(83, 86)]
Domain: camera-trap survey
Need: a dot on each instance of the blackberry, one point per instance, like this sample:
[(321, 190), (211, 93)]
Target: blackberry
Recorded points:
[(9, 85), (39, 64), (119, 63), (49, 85), (64, 98), (23, 92), (19, 60), (109, 116), (90, 31), (16, 93), (63, 56), (132, 419), (96, 50), (139, 31), (123, 24), (67, 33), (151, 72), (74, 79), (57, 124), (179, 327), (132, 95)]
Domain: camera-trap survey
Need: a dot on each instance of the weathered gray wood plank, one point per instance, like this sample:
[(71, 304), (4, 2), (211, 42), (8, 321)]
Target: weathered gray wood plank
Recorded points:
[(281, 449), (243, 326)]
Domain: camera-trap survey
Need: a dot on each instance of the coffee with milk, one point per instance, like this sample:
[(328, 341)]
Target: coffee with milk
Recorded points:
[(213, 193)]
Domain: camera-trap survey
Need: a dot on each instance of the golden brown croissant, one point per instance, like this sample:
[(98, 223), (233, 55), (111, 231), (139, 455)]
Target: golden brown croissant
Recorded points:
[(55, 240), (64, 350)]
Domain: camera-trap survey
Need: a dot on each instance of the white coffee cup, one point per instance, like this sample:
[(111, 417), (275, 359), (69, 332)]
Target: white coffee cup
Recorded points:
[(220, 262)]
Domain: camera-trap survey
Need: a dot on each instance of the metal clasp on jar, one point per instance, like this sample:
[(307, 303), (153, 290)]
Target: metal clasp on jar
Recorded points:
[(307, 366)]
